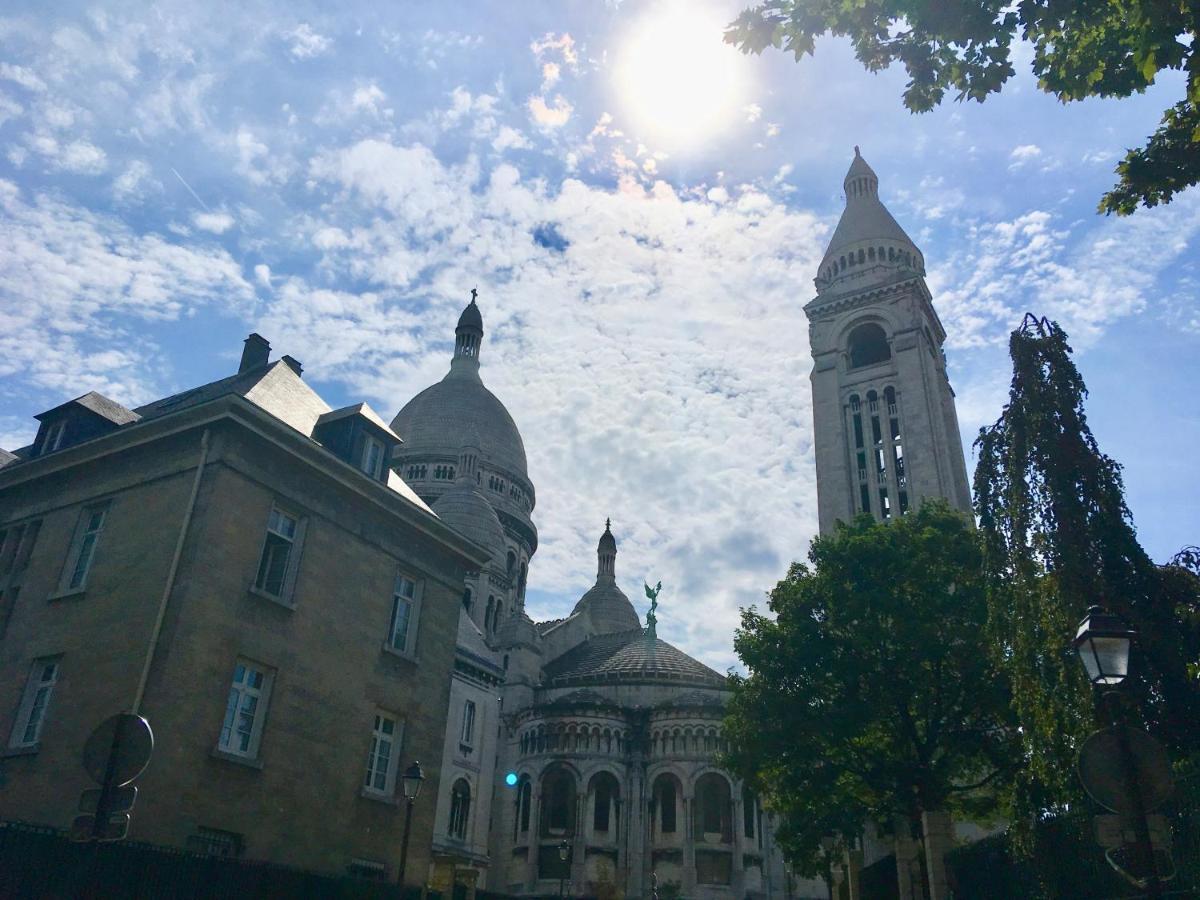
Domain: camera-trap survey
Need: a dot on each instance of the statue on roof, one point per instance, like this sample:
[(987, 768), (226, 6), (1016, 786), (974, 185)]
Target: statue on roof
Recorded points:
[(652, 594)]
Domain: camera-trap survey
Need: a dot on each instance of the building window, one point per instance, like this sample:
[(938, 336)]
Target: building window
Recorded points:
[(83, 548), (8, 602), (16, 547), (245, 709), (54, 437), (214, 842), (280, 555), (868, 345), (713, 809), (524, 799), (605, 792), (713, 867), (403, 626), (749, 813), (558, 803), (666, 795), (381, 761), (468, 725), (35, 701), (460, 809), (372, 457)]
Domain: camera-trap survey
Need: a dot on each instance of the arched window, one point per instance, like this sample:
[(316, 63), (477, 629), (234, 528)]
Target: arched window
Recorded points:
[(521, 582), (862, 256), (749, 813), (511, 564), (558, 803), (489, 616), (524, 798), (871, 253), (867, 345), (714, 812), (606, 803), (467, 599), (460, 809), (666, 795)]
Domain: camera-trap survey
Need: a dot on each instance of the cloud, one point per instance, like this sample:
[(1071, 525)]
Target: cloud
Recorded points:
[(1025, 153), (216, 222), (80, 294), (549, 117), (80, 157), (305, 43), (135, 182), (262, 274), (562, 45), (753, 112), (22, 76), (510, 138), (369, 98), (550, 75)]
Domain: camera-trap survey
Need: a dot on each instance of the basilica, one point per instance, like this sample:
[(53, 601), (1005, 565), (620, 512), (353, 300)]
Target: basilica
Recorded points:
[(583, 750)]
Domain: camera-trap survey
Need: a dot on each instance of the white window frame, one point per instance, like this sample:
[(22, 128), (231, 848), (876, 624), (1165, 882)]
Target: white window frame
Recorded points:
[(468, 724), (241, 688), (391, 764), (408, 646), (275, 528), (35, 702), (373, 467), (82, 554), (55, 433)]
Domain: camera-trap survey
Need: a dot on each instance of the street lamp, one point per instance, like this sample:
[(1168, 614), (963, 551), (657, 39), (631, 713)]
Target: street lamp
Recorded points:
[(564, 853), (411, 781), (1102, 643)]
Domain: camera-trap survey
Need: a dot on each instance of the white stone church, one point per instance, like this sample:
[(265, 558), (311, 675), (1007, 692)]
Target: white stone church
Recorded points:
[(590, 737)]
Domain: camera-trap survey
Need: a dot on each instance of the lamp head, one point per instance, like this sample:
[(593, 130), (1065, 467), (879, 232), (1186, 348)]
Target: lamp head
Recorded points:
[(1103, 643)]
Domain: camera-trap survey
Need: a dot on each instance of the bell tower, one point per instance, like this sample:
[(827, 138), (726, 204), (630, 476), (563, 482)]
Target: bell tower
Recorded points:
[(885, 429)]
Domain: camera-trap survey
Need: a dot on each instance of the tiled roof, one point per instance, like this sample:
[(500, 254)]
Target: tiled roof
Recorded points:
[(692, 699), (632, 655), (101, 406)]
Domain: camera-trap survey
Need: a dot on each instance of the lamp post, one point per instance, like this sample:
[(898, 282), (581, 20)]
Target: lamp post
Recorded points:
[(564, 853), (411, 781), (1103, 643)]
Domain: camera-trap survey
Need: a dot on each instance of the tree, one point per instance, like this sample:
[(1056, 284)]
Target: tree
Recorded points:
[(1081, 48), (1057, 538), (870, 694)]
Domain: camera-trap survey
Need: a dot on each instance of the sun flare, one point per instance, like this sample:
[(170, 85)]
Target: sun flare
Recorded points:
[(677, 78)]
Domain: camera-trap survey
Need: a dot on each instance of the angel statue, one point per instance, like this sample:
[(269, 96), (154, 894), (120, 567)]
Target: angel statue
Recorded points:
[(652, 594)]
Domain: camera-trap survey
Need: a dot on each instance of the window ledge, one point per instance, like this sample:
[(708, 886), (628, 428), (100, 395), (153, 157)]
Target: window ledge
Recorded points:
[(247, 761), (385, 799), (68, 592), (278, 601), (25, 750), (400, 654)]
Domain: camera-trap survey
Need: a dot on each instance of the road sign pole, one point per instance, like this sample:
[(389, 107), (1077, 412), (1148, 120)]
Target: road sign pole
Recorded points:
[(1145, 849)]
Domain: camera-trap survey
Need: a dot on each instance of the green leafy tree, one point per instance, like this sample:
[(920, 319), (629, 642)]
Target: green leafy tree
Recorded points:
[(1058, 537), (870, 694), (1081, 48)]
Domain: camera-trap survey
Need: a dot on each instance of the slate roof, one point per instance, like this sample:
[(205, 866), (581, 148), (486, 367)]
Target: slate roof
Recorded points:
[(6, 457), (359, 409), (100, 405), (632, 655)]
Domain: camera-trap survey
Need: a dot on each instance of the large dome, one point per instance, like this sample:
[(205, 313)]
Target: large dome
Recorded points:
[(436, 420)]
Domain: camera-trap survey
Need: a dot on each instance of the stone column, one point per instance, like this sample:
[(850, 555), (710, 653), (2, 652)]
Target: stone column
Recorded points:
[(633, 855), (689, 847), (939, 837), (533, 842), (906, 855)]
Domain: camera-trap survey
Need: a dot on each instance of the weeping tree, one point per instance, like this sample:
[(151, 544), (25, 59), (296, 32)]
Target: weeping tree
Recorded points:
[(1056, 538)]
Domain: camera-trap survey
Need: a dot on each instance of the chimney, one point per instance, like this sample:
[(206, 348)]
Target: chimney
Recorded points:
[(293, 364), (255, 354)]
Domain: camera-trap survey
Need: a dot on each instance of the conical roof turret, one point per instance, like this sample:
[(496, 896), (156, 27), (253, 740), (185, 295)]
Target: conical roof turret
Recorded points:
[(609, 608), (868, 247)]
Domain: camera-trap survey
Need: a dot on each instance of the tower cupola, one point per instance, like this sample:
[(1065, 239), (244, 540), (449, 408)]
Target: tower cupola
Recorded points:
[(868, 247), (606, 553), (468, 336)]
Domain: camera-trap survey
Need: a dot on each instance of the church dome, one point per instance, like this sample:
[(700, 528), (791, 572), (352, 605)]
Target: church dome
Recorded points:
[(467, 511), (868, 243), (605, 603), (436, 421)]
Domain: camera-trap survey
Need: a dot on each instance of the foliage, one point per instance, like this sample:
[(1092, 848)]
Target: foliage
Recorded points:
[(1058, 538), (1081, 48), (870, 694)]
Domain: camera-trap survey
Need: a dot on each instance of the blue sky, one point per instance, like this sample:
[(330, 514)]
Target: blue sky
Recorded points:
[(643, 236)]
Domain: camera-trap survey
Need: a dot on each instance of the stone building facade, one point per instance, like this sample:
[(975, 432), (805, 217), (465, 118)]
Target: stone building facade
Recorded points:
[(309, 606), (606, 736)]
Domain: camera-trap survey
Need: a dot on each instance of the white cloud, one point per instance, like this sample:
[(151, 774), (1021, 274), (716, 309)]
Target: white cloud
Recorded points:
[(27, 78), (550, 75), (305, 43), (562, 45), (548, 117), (1022, 154), (772, 130), (369, 98), (80, 157), (753, 112), (135, 182), (262, 274), (79, 293), (216, 222), (509, 138)]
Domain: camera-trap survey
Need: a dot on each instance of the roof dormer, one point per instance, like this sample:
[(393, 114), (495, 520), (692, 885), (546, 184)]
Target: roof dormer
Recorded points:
[(355, 434), (79, 420)]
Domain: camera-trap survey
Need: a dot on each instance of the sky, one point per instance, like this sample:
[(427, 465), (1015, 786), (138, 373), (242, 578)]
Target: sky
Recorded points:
[(642, 210)]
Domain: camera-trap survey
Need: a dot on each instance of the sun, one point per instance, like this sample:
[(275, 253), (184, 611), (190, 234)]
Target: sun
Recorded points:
[(677, 79)]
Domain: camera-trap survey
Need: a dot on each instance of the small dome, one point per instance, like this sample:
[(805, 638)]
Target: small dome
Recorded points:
[(608, 607), (467, 511), (608, 543), (471, 317)]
